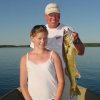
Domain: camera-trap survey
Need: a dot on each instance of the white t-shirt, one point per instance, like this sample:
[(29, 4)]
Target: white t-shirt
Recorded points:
[(55, 38)]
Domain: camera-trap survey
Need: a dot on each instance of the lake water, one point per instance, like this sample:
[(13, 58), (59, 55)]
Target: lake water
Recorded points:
[(89, 66)]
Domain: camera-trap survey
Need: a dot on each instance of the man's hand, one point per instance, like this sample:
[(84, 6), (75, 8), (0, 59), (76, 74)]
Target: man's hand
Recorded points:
[(75, 35)]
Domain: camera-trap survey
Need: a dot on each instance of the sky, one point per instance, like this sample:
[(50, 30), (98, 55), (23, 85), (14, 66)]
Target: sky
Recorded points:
[(17, 17)]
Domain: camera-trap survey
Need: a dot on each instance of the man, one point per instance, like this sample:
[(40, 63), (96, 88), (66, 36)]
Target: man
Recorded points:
[(56, 29)]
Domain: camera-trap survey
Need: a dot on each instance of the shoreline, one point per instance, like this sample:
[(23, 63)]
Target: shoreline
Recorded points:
[(85, 44)]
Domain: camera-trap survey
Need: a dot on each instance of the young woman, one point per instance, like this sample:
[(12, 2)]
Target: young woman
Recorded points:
[(41, 73)]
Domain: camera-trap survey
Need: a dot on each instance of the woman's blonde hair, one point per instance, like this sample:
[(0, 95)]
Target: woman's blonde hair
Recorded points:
[(37, 29)]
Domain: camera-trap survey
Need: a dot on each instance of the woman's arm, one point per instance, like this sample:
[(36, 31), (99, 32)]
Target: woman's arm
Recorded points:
[(60, 75), (23, 78)]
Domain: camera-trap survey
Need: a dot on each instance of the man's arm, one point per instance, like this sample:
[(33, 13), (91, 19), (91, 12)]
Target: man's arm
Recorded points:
[(78, 44)]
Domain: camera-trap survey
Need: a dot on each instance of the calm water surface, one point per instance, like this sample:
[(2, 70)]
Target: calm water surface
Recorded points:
[(89, 66)]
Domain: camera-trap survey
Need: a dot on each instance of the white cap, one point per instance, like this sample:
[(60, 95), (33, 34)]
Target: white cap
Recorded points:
[(51, 8)]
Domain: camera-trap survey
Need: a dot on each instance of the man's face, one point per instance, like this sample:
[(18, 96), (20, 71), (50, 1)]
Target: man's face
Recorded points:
[(52, 19)]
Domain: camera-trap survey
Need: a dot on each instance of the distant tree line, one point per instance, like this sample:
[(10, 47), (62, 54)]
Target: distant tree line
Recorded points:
[(6, 46), (92, 44), (85, 44)]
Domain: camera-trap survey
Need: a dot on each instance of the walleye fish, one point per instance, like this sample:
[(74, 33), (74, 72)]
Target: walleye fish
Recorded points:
[(69, 52)]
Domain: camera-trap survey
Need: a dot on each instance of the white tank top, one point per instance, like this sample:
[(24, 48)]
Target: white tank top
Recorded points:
[(42, 79)]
